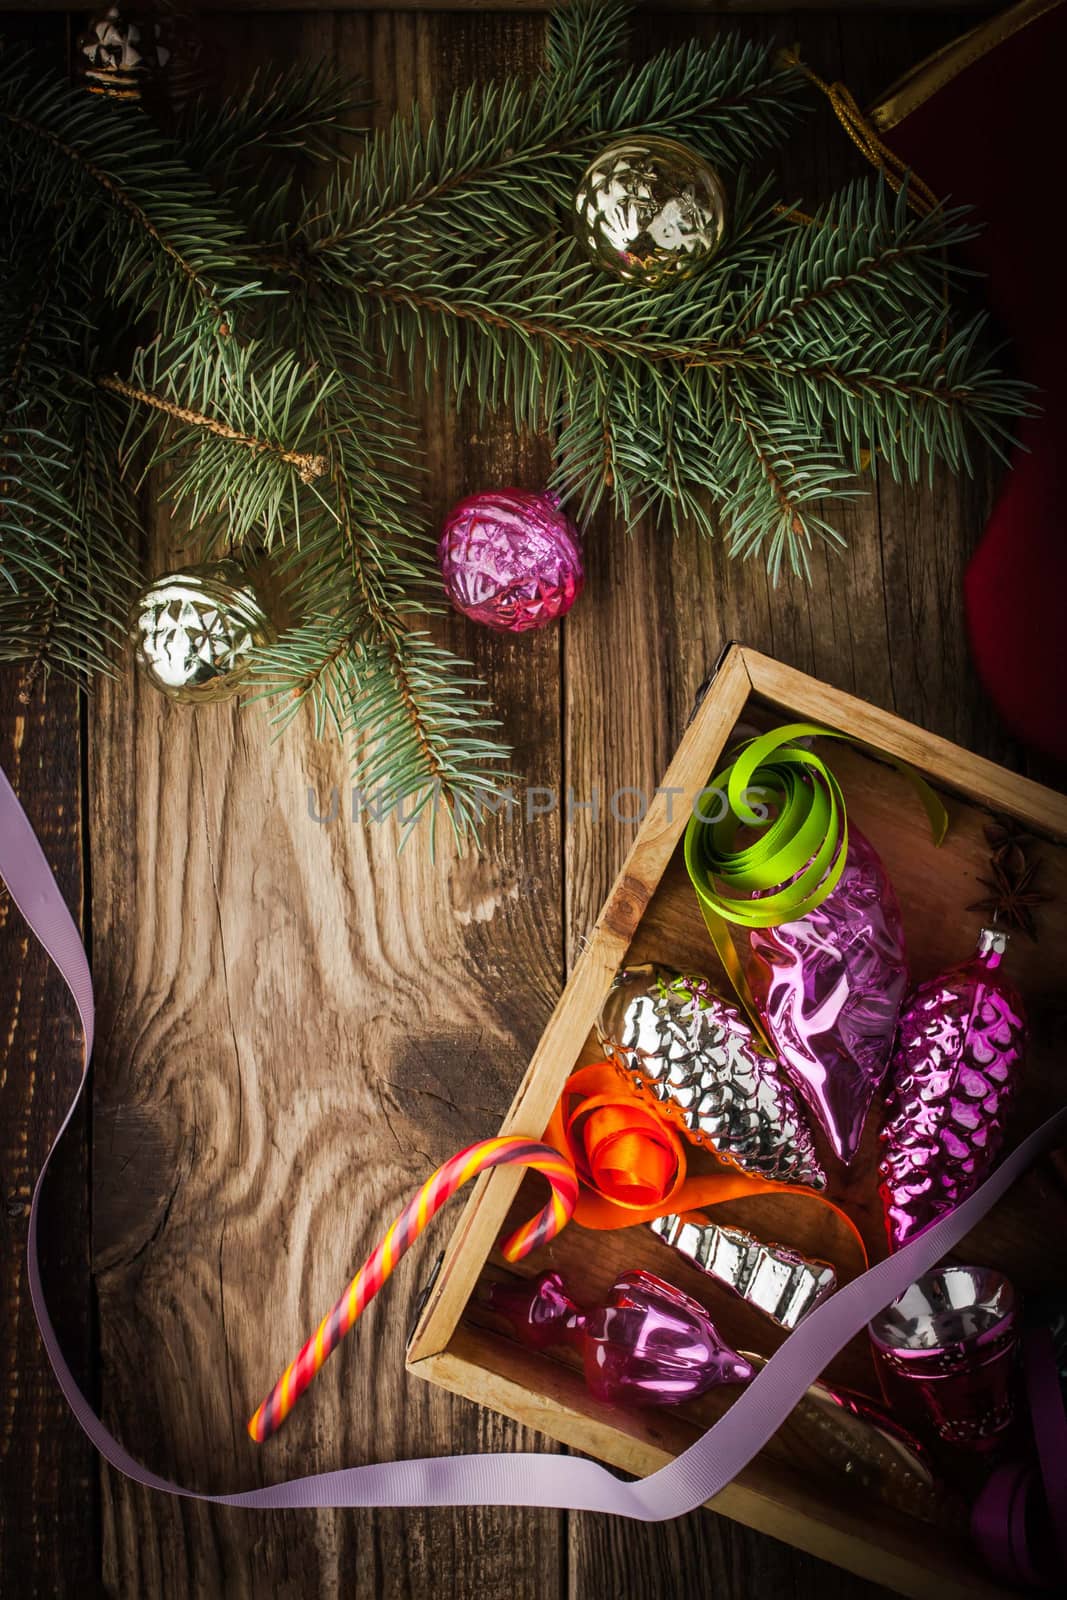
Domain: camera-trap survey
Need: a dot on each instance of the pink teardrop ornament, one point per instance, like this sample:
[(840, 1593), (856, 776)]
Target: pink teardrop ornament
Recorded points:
[(829, 987)]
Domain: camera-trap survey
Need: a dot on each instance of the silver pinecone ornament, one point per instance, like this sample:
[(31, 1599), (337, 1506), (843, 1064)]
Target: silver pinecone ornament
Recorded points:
[(683, 1043)]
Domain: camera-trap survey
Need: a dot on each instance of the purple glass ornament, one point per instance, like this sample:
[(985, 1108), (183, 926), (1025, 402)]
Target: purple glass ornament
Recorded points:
[(649, 1345), (510, 559), (946, 1354), (955, 1072), (829, 987)]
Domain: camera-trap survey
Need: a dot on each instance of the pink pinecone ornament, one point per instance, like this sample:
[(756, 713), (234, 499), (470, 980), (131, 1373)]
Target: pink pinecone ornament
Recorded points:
[(954, 1074)]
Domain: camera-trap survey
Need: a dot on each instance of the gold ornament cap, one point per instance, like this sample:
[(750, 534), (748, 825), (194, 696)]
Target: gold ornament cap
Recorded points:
[(195, 630), (650, 210)]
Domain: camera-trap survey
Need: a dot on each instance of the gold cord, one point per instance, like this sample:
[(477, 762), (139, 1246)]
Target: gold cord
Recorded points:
[(921, 198)]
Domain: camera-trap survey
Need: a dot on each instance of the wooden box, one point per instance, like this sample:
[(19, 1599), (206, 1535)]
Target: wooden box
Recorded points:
[(652, 913)]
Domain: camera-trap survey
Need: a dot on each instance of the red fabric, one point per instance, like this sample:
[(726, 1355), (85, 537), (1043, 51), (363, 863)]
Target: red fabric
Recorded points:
[(993, 139)]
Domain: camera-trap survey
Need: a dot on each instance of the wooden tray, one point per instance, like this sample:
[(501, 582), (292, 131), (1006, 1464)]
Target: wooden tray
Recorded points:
[(651, 913)]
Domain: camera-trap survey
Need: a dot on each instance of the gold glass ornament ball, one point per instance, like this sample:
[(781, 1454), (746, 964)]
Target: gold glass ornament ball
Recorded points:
[(649, 210), (194, 630)]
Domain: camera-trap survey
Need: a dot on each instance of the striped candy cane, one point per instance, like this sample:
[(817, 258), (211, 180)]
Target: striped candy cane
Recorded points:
[(403, 1233)]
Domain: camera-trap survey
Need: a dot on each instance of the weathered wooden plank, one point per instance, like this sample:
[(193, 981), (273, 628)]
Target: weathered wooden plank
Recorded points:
[(49, 1478), (49, 1489), (297, 1027), (738, 8)]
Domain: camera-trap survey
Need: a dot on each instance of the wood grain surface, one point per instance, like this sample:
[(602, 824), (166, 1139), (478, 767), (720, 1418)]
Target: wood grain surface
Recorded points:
[(49, 1476), (959, 10), (296, 1025)]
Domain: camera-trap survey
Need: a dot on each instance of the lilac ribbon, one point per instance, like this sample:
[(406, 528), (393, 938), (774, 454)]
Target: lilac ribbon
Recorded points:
[(1019, 1520), (521, 1478)]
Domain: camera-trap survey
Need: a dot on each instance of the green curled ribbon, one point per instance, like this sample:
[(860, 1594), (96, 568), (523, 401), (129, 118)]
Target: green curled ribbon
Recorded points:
[(799, 855)]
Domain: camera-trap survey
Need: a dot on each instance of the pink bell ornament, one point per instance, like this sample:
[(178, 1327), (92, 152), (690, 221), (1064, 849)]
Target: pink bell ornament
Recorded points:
[(955, 1073), (649, 1345)]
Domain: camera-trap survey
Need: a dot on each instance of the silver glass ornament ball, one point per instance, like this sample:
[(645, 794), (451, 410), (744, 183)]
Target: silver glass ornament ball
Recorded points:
[(195, 630), (122, 50)]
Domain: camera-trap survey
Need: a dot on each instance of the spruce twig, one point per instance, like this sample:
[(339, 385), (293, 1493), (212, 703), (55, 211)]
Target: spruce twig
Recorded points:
[(308, 466), (125, 201)]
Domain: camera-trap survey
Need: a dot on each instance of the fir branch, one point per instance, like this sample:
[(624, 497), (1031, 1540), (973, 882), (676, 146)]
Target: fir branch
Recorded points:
[(434, 684), (121, 198), (857, 248), (354, 663), (72, 149), (245, 148), (912, 392), (495, 146), (492, 324), (726, 98), (300, 110), (71, 625), (366, 567), (308, 467), (499, 161), (405, 708), (379, 442), (740, 396), (242, 434), (9, 389), (584, 50), (393, 696), (776, 472), (508, 149), (67, 531)]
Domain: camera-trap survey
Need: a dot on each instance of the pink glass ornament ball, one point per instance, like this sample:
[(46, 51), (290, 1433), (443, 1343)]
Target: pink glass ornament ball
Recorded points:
[(510, 559)]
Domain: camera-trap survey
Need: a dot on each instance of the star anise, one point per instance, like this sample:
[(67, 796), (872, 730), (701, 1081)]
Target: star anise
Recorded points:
[(1004, 831), (1013, 890)]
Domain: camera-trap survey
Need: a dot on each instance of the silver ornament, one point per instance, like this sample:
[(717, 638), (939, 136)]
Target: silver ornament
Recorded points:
[(868, 1449), (780, 1282), (121, 51), (680, 1041), (195, 630), (649, 209)]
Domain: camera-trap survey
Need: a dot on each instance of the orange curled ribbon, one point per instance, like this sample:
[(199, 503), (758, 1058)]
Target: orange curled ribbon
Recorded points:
[(631, 1161)]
